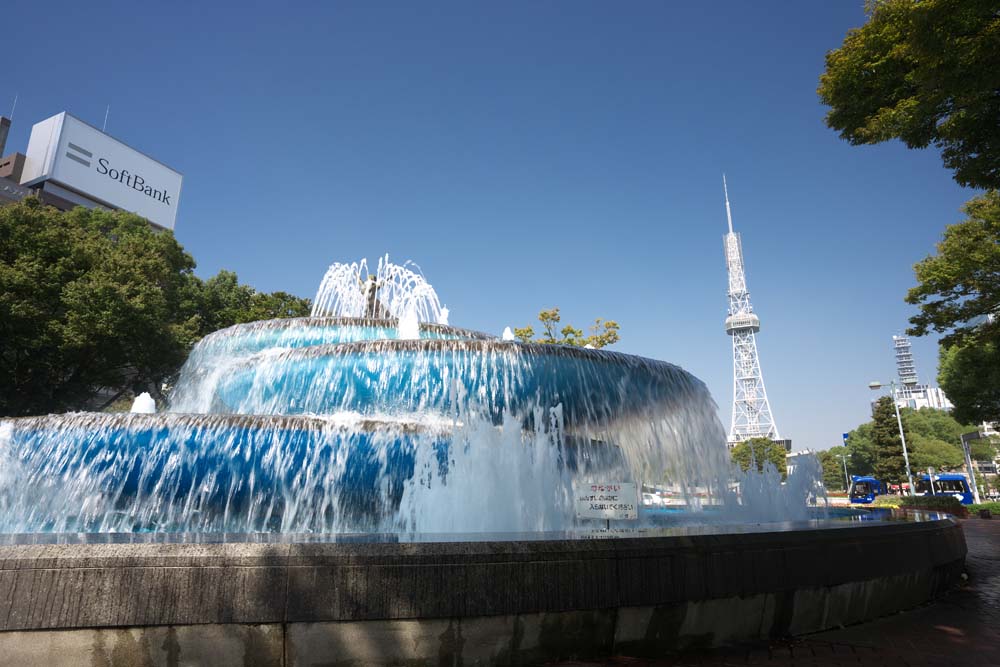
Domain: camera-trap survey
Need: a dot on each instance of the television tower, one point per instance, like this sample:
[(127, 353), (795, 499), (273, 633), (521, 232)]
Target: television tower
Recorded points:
[(751, 411)]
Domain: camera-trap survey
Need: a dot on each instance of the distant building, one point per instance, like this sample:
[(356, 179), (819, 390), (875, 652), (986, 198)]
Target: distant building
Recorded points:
[(70, 163), (910, 393), (922, 396)]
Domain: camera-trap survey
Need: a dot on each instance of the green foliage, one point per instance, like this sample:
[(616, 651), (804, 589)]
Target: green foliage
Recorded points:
[(758, 451), (930, 453), (889, 464), (933, 439), (933, 503), (984, 449), (602, 333), (961, 283), (92, 299), (221, 301), (892, 502), (928, 72), (88, 299), (925, 72), (862, 450), (993, 507), (833, 468), (937, 503), (970, 375)]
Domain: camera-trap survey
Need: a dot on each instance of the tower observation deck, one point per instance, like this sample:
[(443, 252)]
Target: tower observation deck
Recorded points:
[(751, 411)]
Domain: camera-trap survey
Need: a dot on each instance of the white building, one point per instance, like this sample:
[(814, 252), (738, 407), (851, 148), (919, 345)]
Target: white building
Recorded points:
[(922, 396), (910, 393)]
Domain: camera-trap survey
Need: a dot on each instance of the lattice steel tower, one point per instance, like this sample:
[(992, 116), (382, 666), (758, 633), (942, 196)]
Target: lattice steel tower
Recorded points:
[(751, 411)]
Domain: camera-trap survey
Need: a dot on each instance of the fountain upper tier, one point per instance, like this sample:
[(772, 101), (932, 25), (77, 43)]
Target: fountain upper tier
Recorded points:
[(351, 290), (306, 331), (445, 376)]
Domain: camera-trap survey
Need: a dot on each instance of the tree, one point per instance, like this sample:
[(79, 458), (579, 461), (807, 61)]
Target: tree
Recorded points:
[(984, 449), (958, 293), (935, 425), (861, 447), (925, 72), (959, 287), (602, 333), (889, 465), (933, 439), (932, 453), (221, 301), (833, 468), (758, 451), (88, 299), (96, 300), (970, 376)]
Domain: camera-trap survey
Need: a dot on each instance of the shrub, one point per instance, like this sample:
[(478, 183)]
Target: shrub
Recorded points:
[(935, 503), (932, 503), (993, 507), (893, 502)]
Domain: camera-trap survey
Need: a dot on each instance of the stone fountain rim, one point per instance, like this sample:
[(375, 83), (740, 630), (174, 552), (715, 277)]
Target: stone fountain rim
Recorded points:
[(787, 583)]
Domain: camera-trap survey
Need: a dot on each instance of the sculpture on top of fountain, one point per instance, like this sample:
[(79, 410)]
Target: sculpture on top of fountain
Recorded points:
[(393, 291)]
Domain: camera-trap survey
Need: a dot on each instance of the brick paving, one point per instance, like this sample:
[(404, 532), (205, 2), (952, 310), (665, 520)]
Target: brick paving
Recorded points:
[(961, 629)]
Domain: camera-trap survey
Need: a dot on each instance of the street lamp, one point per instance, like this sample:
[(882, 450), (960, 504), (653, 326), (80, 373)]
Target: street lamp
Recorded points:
[(843, 458), (966, 450), (899, 420)]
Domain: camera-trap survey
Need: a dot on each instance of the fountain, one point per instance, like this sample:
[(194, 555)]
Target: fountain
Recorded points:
[(372, 469)]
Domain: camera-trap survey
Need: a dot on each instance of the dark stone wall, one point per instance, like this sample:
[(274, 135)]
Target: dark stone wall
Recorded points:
[(519, 601)]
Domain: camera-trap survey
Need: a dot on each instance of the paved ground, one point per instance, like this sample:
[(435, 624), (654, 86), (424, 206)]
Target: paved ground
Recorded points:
[(960, 630)]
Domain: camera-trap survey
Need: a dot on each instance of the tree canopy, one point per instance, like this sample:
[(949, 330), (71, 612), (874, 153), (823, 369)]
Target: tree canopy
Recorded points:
[(959, 287), (833, 468), (889, 463), (92, 299), (925, 72), (970, 376), (758, 452), (958, 293), (933, 439), (223, 302), (602, 333), (928, 72)]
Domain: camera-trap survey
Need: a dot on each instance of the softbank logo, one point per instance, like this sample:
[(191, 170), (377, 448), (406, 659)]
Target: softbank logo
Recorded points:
[(81, 152), (134, 181)]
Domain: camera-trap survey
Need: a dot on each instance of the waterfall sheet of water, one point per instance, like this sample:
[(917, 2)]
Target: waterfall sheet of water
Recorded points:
[(390, 423)]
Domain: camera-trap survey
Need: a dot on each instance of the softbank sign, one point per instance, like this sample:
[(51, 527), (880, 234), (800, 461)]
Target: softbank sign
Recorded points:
[(74, 155)]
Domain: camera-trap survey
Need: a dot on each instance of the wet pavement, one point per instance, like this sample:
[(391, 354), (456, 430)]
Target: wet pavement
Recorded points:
[(961, 629)]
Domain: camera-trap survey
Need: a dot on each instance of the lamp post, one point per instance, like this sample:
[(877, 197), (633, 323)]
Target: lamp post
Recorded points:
[(843, 458), (899, 420), (966, 450)]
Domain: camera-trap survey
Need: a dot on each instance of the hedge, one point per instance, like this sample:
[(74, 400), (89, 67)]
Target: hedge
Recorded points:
[(993, 507), (947, 504)]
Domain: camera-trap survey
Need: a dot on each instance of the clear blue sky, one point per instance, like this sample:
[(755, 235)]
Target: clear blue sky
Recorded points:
[(526, 155)]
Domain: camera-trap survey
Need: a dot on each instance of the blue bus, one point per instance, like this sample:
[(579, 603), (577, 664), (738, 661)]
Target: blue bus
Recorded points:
[(946, 484), (864, 489)]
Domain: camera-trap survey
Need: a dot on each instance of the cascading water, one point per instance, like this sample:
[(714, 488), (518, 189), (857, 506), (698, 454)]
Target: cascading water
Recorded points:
[(344, 423)]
